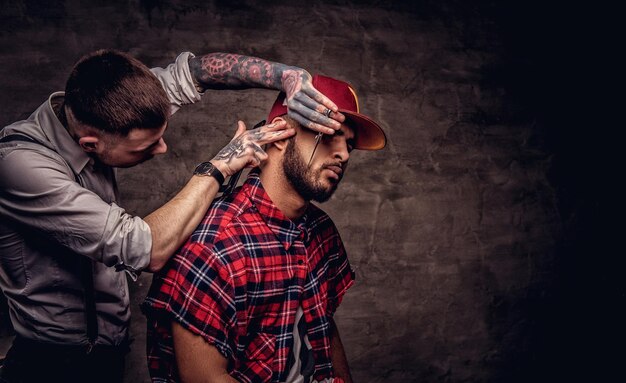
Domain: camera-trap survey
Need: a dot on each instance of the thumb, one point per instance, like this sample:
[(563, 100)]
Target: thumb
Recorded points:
[(241, 128)]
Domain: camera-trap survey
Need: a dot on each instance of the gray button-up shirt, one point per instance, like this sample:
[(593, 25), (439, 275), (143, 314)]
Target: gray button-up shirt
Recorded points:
[(56, 205)]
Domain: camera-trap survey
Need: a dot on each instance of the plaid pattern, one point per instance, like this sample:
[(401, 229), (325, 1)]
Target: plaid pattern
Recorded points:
[(238, 281)]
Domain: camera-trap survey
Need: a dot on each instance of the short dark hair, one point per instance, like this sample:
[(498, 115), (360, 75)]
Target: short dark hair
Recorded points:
[(114, 92)]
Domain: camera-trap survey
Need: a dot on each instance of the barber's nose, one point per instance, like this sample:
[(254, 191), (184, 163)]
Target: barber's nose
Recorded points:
[(160, 148)]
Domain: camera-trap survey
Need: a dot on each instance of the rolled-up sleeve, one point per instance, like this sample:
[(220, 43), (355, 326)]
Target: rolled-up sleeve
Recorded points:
[(132, 236), (178, 82), (39, 191)]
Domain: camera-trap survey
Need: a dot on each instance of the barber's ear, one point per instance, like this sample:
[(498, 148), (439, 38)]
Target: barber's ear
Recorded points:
[(89, 143)]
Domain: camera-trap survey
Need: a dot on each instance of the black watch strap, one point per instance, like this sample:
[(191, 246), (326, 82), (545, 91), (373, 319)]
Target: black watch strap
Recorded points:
[(208, 169)]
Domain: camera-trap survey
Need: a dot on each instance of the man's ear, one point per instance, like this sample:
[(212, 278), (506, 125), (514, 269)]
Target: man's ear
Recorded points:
[(89, 143), (280, 144), (89, 138)]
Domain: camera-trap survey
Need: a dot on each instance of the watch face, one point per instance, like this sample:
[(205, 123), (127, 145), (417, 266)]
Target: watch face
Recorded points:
[(206, 168)]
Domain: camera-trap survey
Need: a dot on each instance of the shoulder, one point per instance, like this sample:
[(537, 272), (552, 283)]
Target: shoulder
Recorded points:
[(207, 257), (223, 213), (30, 164), (214, 243)]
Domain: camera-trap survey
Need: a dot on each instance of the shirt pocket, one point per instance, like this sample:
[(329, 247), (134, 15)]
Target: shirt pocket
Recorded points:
[(259, 357)]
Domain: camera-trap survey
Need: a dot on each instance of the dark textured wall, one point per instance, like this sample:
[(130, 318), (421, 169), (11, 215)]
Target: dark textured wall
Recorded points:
[(467, 233)]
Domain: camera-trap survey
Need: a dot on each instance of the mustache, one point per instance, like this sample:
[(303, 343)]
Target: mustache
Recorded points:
[(341, 165), (333, 165)]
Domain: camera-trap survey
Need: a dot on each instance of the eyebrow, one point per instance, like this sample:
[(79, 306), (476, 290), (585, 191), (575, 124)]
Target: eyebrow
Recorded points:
[(350, 141), (152, 145), (342, 132)]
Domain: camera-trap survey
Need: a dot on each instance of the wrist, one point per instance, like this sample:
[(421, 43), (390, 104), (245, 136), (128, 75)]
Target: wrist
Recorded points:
[(293, 80), (223, 167), (208, 169)]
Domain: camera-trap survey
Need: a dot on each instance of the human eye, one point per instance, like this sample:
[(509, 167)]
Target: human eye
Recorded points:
[(350, 144)]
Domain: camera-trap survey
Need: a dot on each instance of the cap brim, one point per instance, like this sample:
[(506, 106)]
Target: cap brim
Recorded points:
[(370, 135)]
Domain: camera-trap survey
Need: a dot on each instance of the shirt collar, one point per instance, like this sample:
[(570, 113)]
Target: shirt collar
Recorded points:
[(59, 137), (286, 230)]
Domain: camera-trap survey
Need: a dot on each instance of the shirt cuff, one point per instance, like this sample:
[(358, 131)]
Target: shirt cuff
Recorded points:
[(131, 271), (127, 243)]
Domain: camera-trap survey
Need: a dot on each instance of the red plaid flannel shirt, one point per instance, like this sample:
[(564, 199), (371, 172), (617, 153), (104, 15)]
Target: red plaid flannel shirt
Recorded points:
[(238, 281)]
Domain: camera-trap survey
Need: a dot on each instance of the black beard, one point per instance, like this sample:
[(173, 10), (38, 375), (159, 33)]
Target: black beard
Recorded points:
[(303, 179)]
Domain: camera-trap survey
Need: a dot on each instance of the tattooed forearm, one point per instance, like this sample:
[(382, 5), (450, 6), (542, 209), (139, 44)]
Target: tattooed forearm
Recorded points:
[(232, 71)]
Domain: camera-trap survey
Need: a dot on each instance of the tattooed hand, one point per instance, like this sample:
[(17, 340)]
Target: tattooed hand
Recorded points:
[(245, 149), (306, 105)]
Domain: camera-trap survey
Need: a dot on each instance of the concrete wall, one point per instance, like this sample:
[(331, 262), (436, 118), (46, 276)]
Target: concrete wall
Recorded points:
[(467, 233)]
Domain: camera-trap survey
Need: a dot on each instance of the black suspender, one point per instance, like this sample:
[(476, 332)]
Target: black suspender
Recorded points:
[(17, 137)]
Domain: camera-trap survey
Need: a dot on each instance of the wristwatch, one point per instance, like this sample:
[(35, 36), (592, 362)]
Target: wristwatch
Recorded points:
[(208, 169)]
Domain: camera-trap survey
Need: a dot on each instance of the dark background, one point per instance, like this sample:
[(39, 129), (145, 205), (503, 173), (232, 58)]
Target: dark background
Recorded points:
[(481, 236)]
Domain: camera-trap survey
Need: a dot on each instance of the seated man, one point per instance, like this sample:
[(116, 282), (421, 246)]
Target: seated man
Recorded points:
[(251, 295)]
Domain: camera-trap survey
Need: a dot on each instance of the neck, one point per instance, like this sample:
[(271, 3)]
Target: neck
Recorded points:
[(59, 112), (281, 192), (68, 123)]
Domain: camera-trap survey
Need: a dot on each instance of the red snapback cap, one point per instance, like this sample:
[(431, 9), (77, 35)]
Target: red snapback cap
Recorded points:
[(368, 135)]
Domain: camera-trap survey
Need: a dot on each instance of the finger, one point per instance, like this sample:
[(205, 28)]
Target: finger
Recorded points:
[(316, 113), (310, 103), (258, 155), (257, 149), (307, 123), (320, 98), (319, 108), (337, 116), (270, 133), (253, 163), (261, 155), (274, 126), (314, 120), (277, 135)]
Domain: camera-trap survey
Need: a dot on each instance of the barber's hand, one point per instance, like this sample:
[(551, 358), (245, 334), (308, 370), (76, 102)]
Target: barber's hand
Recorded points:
[(244, 150), (306, 105)]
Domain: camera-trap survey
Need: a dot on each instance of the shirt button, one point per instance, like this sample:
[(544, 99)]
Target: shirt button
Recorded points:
[(300, 262)]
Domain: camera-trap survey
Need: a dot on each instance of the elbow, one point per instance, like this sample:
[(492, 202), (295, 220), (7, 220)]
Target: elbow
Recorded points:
[(152, 268), (157, 262)]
